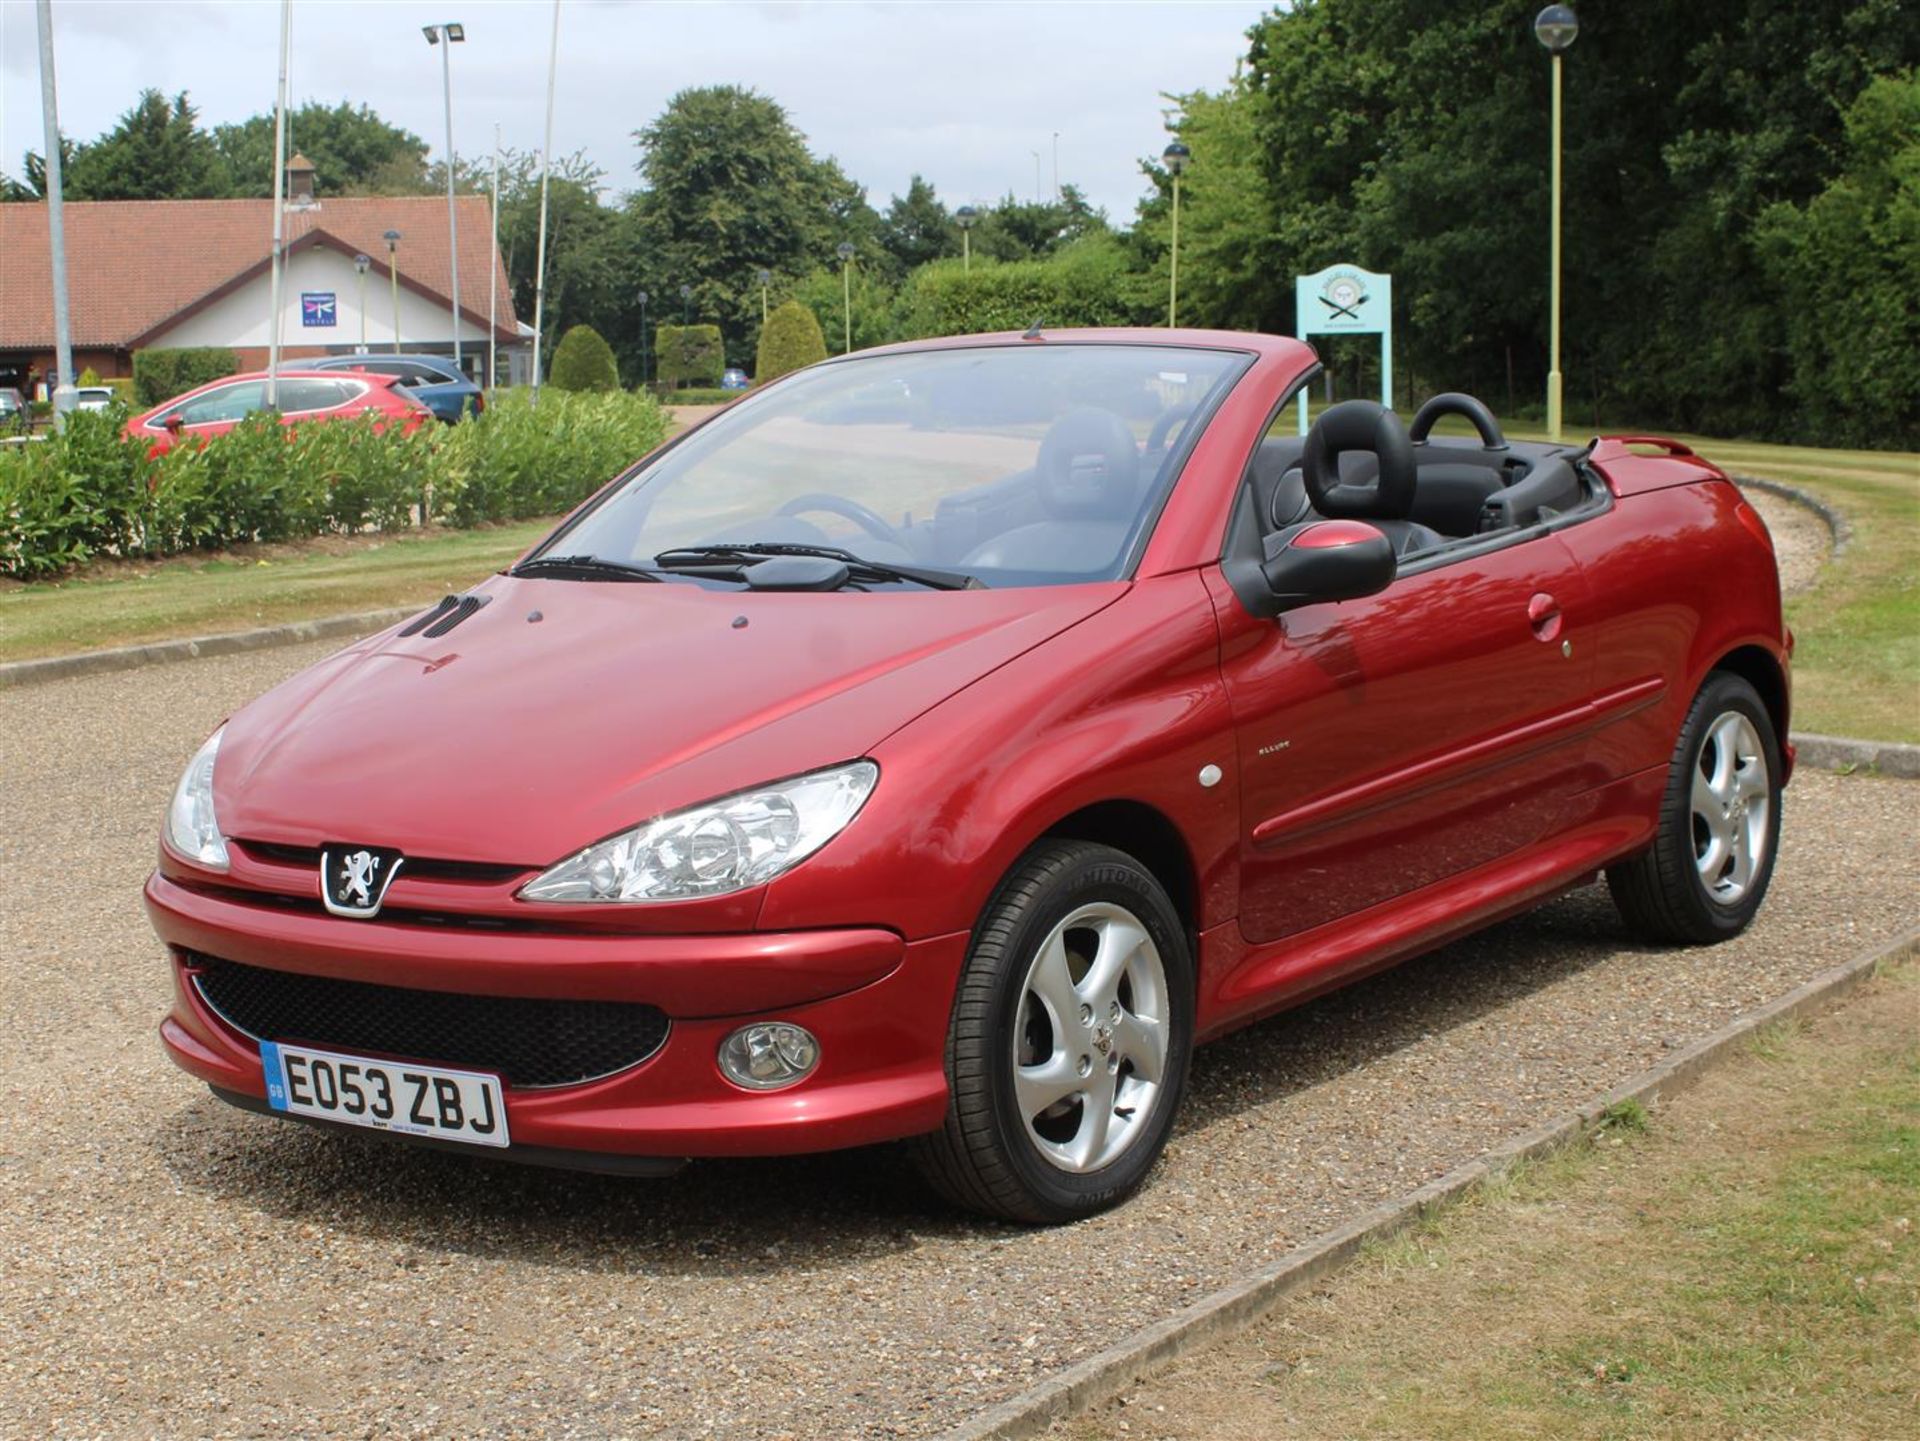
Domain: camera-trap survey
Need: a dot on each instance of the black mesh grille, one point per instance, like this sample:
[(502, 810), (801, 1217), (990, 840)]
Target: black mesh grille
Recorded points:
[(528, 1042)]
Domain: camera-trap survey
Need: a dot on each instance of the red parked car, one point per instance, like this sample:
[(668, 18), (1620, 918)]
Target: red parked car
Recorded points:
[(301, 398), (942, 741)]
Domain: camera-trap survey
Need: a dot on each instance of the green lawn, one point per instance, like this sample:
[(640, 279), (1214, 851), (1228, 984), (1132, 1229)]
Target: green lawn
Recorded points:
[(1741, 1264)]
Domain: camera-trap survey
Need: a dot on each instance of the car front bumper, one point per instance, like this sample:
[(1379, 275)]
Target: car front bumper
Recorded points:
[(878, 1005)]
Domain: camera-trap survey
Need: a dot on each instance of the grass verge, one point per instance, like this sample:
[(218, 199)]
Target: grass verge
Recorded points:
[(1744, 1265), (125, 604)]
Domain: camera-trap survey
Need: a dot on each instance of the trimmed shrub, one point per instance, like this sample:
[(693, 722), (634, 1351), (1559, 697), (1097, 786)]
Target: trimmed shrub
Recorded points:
[(583, 361), (791, 339), (162, 374), (688, 353), (89, 376)]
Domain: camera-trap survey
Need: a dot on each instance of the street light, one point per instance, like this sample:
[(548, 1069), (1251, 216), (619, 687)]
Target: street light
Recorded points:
[(686, 305), (1556, 28), (360, 264), (1175, 157), (845, 252), (765, 277), (643, 338), (453, 32), (392, 237), (966, 217)]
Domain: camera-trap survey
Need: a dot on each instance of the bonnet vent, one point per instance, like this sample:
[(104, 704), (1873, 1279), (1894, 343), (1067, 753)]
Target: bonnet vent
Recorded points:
[(451, 610)]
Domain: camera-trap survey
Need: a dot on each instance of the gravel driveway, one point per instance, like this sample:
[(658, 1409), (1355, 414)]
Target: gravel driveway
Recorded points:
[(170, 1266)]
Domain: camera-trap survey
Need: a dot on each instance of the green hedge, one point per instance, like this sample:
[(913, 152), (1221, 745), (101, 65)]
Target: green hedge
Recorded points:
[(88, 492), (688, 353), (162, 374), (702, 395), (1085, 284)]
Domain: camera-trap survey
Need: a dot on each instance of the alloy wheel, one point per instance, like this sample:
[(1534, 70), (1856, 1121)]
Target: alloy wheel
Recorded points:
[(1732, 799), (1090, 1038)]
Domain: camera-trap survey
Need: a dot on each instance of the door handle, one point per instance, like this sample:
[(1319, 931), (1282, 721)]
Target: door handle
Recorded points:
[(1543, 614)]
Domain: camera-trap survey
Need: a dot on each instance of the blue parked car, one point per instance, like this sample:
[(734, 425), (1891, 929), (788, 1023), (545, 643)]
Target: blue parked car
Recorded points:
[(432, 378), (734, 380)]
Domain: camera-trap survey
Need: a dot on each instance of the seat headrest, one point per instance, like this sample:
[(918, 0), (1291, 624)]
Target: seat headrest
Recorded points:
[(1089, 466), (1359, 425)]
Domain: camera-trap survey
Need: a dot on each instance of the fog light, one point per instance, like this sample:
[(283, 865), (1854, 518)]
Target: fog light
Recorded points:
[(768, 1055)]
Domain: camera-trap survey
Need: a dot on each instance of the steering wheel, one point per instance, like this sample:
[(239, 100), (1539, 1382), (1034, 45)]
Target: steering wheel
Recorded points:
[(1452, 402), (870, 521), (1163, 426)]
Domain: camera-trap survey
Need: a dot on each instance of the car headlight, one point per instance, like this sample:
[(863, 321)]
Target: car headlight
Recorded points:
[(726, 845), (192, 828)]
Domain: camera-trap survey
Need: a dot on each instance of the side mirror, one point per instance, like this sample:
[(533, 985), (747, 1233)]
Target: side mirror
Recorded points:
[(1326, 560), (174, 424)]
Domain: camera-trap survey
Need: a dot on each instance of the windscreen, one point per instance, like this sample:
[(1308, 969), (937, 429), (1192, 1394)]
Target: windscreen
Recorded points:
[(1035, 464)]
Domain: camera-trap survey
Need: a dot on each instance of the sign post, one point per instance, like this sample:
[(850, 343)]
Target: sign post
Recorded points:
[(1346, 300)]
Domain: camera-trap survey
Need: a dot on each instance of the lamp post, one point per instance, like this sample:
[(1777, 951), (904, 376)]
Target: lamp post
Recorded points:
[(1555, 27), (686, 305), (1056, 167), (765, 277), (360, 264), (643, 338), (845, 252), (1175, 157), (966, 217), (540, 252), (392, 237), (453, 32), (1036, 175)]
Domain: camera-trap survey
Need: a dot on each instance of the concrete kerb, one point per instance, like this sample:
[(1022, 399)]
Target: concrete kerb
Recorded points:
[(130, 657), (1102, 1377), (1835, 520)]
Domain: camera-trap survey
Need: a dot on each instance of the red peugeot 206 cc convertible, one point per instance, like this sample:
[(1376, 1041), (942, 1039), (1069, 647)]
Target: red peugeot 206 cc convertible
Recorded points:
[(941, 741)]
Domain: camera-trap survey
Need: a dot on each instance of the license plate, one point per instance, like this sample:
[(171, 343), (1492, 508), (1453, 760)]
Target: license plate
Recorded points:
[(385, 1095)]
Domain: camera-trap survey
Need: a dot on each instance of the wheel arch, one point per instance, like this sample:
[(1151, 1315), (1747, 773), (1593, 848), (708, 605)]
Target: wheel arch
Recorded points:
[(1148, 835), (1761, 669)]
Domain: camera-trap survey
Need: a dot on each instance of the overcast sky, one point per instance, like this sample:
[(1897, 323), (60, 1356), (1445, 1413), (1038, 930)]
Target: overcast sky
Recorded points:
[(964, 93)]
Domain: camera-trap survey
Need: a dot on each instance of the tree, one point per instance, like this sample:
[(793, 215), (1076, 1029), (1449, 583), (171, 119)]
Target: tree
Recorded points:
[(155, 152), (730, 189), (791, 339), (1848, 264), (1033, 229), (354, 152), (917, 227), (584, 361)]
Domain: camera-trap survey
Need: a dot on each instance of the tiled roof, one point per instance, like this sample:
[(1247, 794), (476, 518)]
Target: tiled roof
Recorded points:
[(135, 264)]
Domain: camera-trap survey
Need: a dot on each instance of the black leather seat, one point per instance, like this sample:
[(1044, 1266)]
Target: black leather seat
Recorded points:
[(1358, 465)]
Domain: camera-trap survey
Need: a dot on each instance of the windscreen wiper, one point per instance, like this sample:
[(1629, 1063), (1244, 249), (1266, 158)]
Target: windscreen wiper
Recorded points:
[(582, 567), (697, 557)]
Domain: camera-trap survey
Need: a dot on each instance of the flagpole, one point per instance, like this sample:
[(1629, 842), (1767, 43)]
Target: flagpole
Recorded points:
[(493, 274), (62, 392), (279, 208), (540, 256)]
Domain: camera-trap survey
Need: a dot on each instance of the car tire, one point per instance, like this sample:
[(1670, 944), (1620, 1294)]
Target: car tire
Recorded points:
[(1077, 993), (1710, 864)]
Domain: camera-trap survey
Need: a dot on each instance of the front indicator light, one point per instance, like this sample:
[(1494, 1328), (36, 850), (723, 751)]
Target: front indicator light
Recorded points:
[(723, 846), (769, 1055)]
